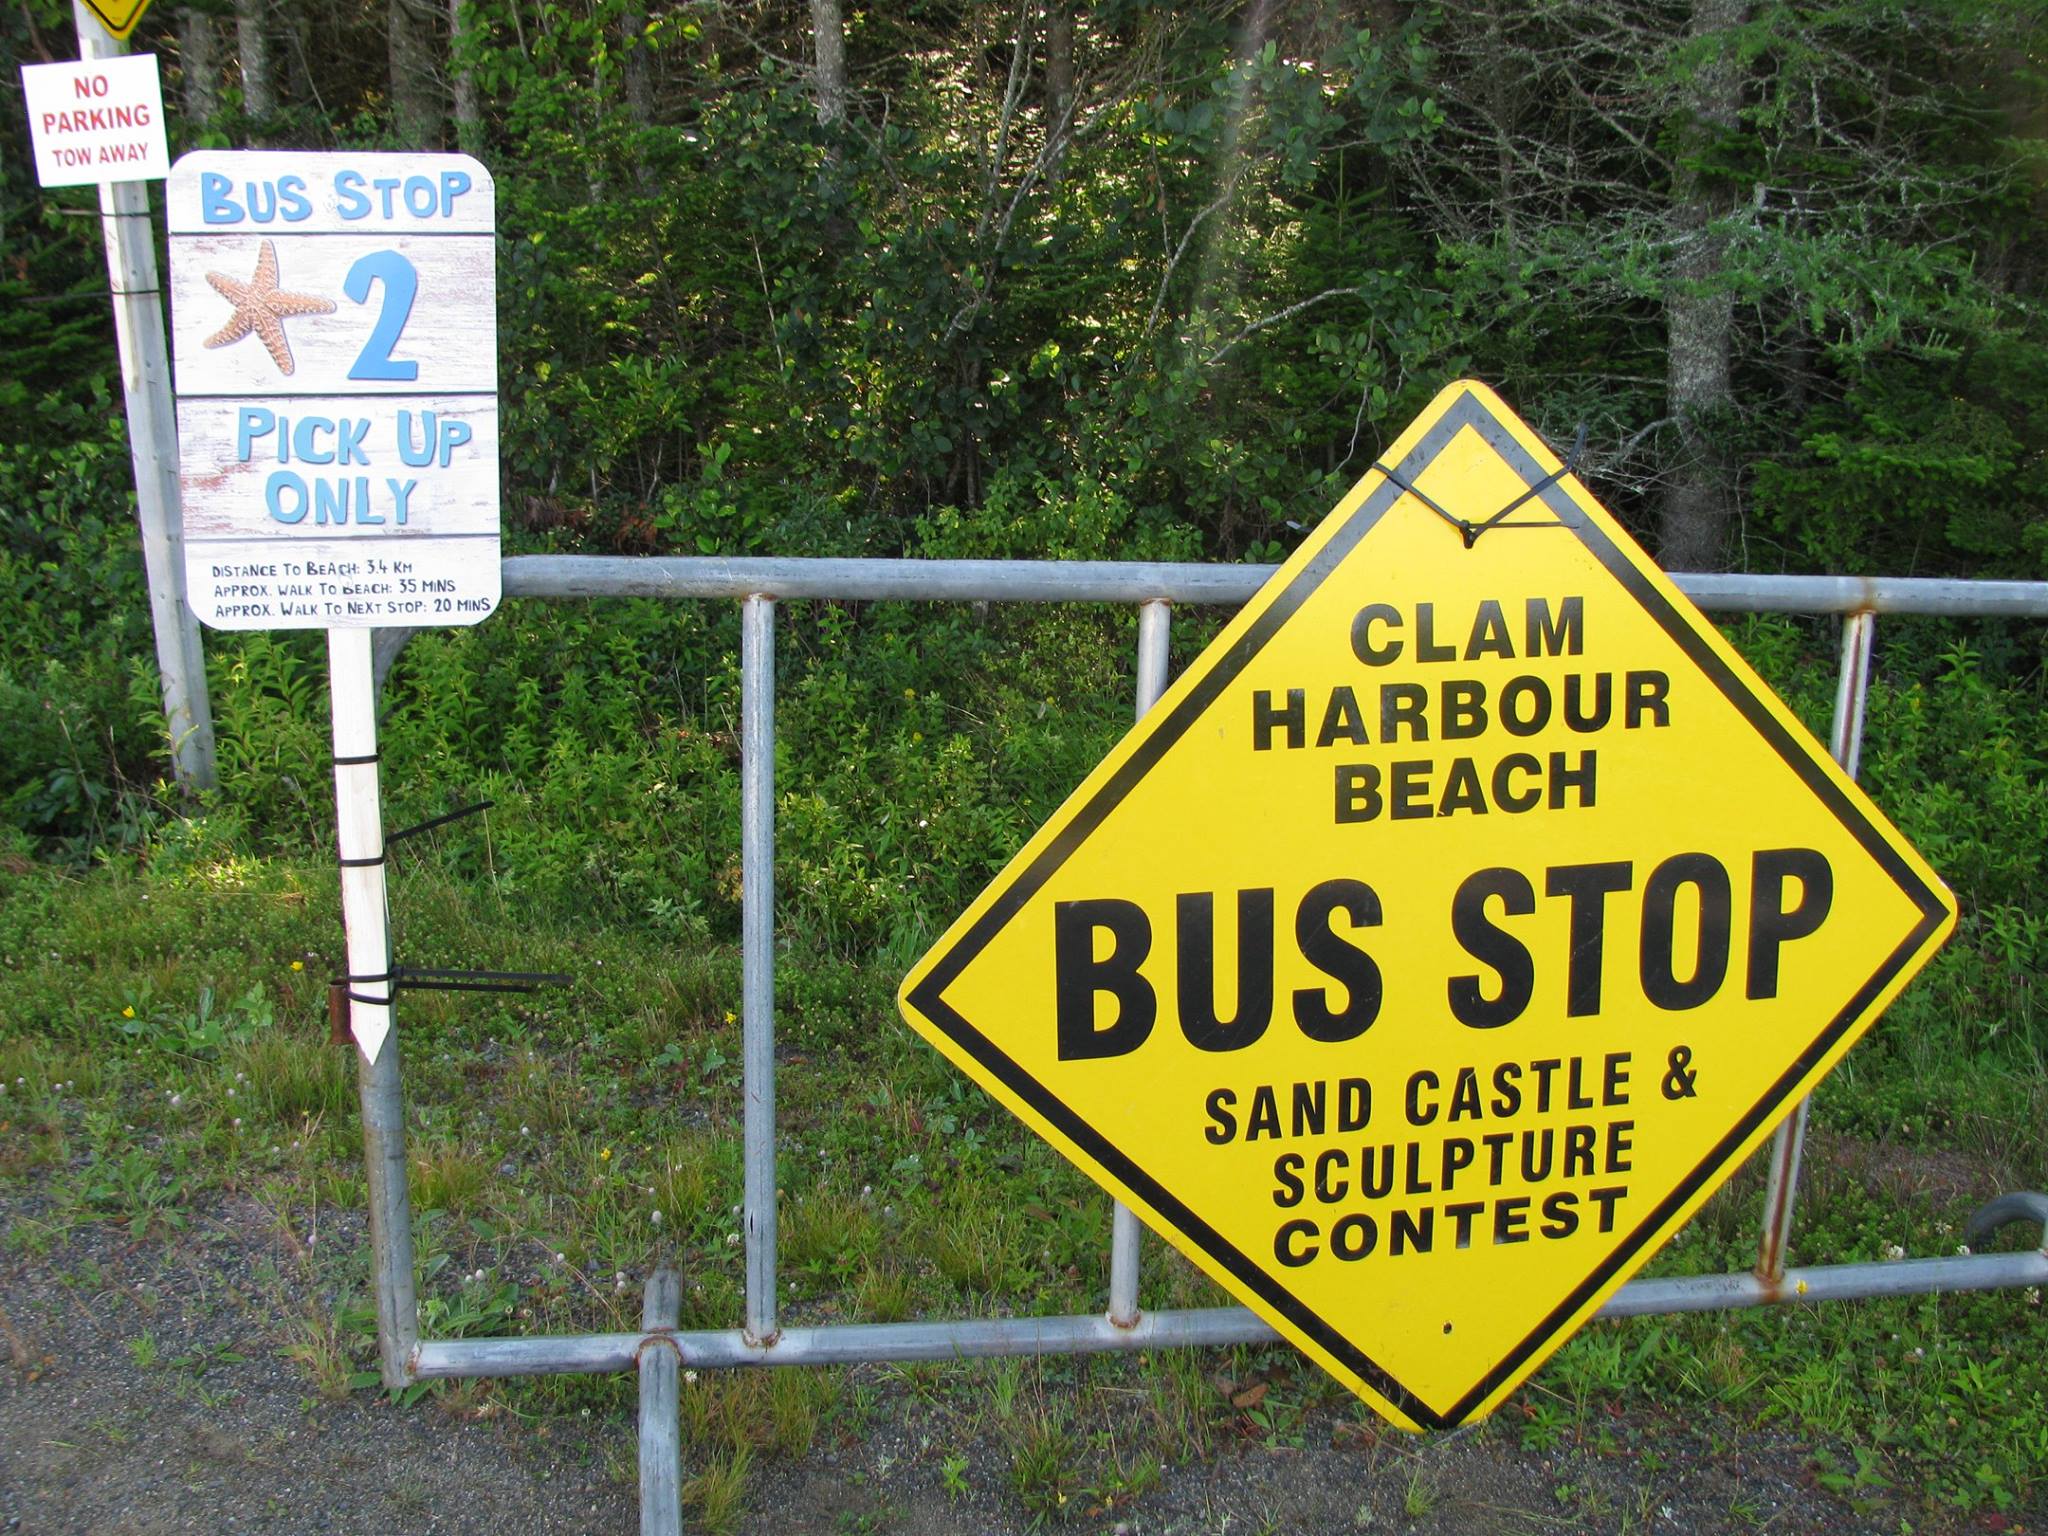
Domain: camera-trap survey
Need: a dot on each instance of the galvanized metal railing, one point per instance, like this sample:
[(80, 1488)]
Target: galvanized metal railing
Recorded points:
[(1154, 589)]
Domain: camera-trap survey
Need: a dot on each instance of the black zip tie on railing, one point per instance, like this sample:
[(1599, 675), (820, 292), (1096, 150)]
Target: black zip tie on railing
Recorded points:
[(438, 979), (389, 978), (435, 980), (355, 762), (371, 861), (437, 821), (1471, 530)]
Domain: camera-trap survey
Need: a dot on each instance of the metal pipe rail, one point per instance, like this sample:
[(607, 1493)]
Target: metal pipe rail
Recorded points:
[(1152, 587), (1120, 581), (853, 1343)]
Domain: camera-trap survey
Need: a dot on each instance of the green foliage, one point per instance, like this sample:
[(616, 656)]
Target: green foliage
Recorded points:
[(1211, 294), (1958, 756), (76, 680), (1922, 464)]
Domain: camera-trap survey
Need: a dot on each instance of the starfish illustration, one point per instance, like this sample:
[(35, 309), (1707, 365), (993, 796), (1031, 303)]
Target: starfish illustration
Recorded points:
[(261, 307)]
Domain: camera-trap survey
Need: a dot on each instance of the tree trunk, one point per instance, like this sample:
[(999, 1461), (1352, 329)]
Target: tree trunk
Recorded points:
[(259, 76), (1499, 87), (415, 89), (1059, 67), (639, 69), (1699, 306), (199, 65), (828, 31), (469, 116), (291, 42)]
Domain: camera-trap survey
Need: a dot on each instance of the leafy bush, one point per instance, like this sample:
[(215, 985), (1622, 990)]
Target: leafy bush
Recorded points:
[(77, 674)]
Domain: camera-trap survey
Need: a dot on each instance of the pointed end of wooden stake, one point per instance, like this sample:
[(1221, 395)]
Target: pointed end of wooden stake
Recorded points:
[(370, 1038)]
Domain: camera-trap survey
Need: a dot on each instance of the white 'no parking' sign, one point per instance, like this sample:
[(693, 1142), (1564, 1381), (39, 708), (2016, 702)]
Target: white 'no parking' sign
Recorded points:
[(334, 325)]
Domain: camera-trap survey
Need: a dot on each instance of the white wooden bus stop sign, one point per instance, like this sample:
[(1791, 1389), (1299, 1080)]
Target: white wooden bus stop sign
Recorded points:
[(334, 332), (334, 329)]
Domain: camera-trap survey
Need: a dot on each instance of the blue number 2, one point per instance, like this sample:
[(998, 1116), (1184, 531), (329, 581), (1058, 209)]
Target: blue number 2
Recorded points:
[(401, 283)]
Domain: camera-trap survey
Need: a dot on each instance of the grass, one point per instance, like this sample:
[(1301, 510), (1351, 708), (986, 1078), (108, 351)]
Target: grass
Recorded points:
[(1044, 1457), (161, 1050), (316, 1340), (718, 1493)]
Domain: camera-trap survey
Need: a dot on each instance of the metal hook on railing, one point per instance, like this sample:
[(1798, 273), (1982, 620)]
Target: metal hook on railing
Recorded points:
[(2003, 1212)]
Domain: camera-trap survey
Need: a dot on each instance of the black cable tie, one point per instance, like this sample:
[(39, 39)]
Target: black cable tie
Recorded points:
[(442, 980), (1569, 466), (135, 293), (437, 821), (389, 978), (1402, 485), (355, 762), (437, 979), (369, 863), (1470, 531)]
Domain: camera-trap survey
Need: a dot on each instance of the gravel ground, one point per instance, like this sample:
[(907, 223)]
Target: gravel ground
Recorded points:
[(147, 1390)]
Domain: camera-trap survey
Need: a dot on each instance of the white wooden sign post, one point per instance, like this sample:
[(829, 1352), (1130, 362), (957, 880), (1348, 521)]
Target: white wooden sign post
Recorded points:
[(333, 321)]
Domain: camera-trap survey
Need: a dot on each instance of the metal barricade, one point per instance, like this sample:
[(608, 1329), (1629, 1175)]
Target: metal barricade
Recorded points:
[(1154, 589)]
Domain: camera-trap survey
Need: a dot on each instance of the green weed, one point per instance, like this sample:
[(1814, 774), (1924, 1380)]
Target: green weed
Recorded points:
[(718, 1493), (292, 1080), (1043, 1470), (447, 1176), (953, 1475)]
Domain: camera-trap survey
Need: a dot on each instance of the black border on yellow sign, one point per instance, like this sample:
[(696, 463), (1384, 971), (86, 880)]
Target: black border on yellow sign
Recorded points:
[(1161, 735), (108, 16)]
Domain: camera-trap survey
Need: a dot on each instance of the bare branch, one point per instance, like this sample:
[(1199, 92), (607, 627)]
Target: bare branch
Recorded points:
[(1276, 319)]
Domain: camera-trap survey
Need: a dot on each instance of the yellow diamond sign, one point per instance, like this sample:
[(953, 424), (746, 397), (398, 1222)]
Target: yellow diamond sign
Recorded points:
[(1455, 924), (119, 17)]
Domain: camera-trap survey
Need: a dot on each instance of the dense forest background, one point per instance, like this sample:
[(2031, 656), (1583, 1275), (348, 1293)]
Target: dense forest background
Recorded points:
[(1060, 280), (1057, 278)]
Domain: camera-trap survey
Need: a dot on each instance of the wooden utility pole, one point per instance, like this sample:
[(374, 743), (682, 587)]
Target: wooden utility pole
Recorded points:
[(153, 449)]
